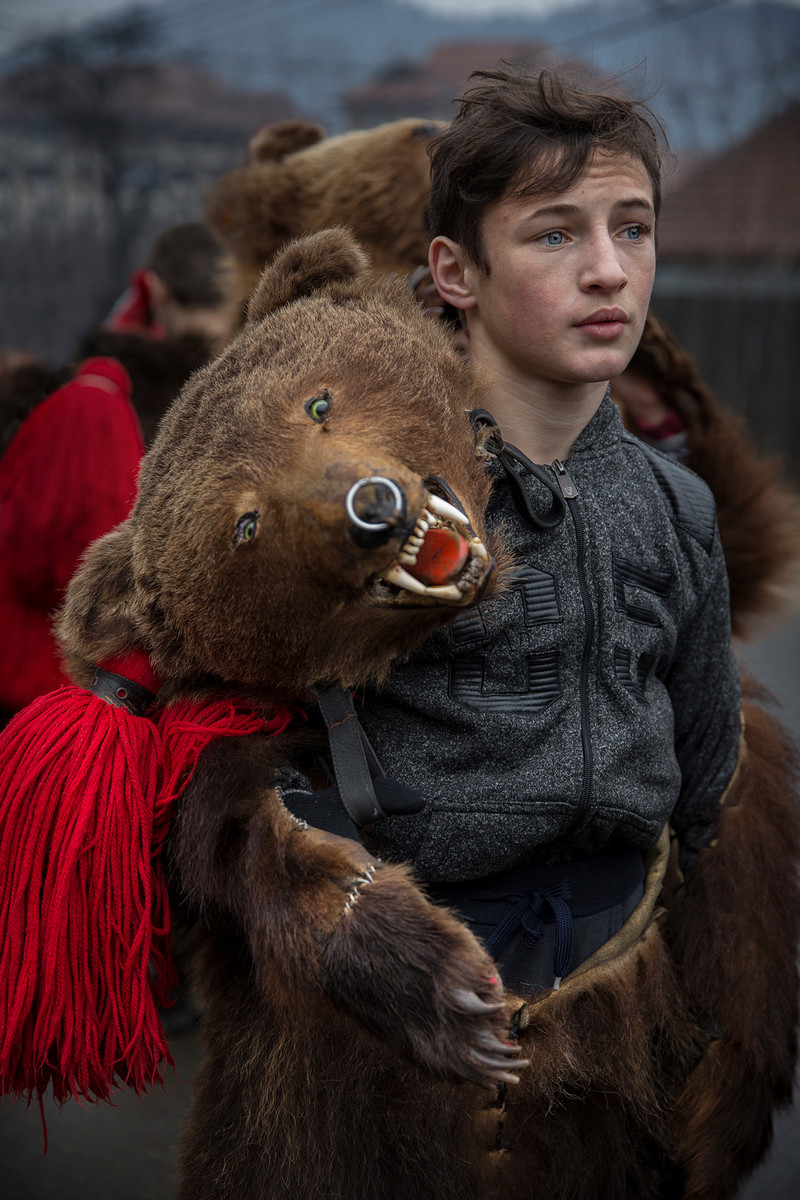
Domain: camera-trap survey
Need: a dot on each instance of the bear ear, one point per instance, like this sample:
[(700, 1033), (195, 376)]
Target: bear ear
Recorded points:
[(272, 143), (97, 620), (318, 261)]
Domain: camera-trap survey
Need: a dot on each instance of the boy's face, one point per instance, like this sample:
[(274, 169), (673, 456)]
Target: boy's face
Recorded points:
[(569, 278)]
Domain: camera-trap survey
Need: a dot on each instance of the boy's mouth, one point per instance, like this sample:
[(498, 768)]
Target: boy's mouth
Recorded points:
[(605, 323)]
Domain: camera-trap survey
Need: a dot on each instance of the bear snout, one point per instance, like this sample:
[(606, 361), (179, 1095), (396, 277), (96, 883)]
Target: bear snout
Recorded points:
[(375, 506)]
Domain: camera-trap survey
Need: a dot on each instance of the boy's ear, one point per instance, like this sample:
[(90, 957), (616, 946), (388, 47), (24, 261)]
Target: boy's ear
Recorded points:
[(452, 272), (160, 293)]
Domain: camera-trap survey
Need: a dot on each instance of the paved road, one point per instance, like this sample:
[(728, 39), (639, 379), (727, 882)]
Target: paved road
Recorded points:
[(127, 1152)]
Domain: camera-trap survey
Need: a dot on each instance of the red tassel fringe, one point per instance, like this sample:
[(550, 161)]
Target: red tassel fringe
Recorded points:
[(86, 793)]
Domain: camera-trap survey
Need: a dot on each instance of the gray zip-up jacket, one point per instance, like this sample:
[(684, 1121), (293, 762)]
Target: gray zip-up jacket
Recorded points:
[(591, 703)]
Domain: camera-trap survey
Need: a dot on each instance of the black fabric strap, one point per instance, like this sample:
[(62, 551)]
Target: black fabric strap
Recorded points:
[(509, 456), (351, 755)]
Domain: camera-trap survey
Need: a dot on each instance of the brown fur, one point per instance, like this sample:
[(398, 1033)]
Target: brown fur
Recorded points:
[(239, 440), (758, 512), (275, 618), (374, 182), (340, 1059), (158, 368), (735, 939), (633, 1083), (629, 1093)]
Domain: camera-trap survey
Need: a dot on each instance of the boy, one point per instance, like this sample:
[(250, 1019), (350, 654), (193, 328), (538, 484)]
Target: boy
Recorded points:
[(556, 732)]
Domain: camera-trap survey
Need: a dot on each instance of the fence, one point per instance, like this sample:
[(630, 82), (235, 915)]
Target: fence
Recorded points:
[(748, 352)]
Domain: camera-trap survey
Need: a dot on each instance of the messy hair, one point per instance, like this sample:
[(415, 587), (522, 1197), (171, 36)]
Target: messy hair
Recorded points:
[(519, 135)]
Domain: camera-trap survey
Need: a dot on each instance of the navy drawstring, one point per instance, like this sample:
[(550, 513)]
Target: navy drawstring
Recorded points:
[(526, 914), (521, 898)]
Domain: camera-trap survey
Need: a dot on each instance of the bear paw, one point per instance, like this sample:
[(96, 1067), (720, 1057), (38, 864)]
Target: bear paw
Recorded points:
[(416, 977)]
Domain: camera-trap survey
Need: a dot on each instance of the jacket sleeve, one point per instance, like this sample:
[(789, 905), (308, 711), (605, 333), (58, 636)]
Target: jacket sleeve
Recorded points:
[(705, 689)]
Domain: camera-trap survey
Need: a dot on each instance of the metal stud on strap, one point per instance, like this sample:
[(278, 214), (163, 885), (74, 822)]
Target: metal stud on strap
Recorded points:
[(121, 692)]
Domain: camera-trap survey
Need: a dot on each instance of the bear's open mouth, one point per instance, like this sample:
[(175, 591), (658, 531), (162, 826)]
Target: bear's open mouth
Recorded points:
[(441, 559)]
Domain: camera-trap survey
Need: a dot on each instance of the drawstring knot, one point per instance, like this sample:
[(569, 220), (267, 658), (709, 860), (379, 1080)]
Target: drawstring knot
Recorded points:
[(527, 915)]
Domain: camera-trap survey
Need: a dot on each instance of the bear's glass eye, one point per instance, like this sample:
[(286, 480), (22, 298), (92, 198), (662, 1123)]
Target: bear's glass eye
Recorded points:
[(246, 528), (319, 407)]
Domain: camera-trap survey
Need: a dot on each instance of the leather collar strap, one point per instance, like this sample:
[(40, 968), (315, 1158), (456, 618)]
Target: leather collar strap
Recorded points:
[(512, 459), (127, 681), (121, 692), (354, 760)]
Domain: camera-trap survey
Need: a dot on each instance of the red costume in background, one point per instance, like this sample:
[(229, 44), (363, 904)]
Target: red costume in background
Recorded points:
[(68, 477), (133, 312)]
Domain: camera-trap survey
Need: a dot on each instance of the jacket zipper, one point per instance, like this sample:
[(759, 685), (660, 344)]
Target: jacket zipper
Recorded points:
[(570, 493)]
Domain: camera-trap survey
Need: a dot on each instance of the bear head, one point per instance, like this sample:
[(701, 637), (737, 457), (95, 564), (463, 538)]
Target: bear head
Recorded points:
[(312, 506), (375, 182)]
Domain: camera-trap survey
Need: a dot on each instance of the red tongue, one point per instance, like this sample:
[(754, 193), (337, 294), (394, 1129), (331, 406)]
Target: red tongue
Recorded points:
[(442, 557)]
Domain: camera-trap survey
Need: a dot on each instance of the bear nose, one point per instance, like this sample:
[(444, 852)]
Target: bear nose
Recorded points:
[(376, 505)]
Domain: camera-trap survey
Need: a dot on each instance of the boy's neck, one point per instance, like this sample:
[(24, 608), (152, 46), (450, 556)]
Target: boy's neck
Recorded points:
[(542, 419)]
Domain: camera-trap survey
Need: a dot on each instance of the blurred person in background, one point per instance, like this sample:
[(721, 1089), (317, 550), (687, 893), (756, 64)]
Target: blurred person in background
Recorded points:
[(181, 289), (71, 439), (175, 315), (68, 469)]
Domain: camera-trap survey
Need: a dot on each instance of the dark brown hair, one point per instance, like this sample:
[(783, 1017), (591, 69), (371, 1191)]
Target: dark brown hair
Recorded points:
[(526, 134), (190, 259)]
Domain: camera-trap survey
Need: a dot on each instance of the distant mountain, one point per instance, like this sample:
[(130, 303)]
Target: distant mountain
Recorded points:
[(714, 68)]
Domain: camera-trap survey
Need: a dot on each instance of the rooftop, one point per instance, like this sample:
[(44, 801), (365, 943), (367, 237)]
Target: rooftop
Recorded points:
[(741, 205)]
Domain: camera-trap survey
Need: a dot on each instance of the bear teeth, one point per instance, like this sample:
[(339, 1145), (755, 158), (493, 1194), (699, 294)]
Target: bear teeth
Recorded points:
[(401, 578), (413, 544), (442, 508), (437, 514)]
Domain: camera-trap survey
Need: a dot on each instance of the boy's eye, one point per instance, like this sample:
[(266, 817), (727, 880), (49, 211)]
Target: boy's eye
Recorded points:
[(635, 233), (554, 238)]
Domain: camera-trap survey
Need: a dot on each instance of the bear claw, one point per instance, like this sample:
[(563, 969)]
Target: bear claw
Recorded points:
[(470, 1002), (502, 1055)]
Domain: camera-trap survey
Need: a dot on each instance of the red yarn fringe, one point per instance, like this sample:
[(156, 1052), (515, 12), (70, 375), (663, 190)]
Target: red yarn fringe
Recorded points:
[(86, 793)]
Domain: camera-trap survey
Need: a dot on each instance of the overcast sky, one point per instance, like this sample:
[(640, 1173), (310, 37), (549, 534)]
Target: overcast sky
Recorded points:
[(23, 18), (28, 11)]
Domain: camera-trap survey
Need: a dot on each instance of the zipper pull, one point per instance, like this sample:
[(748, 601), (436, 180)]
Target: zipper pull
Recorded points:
[(568, 488)]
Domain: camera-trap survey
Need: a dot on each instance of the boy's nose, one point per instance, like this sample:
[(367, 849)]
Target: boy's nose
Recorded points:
[(602, 269)]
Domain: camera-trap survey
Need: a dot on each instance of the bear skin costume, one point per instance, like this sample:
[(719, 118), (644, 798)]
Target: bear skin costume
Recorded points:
[(376, 182), (356, 1042)]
